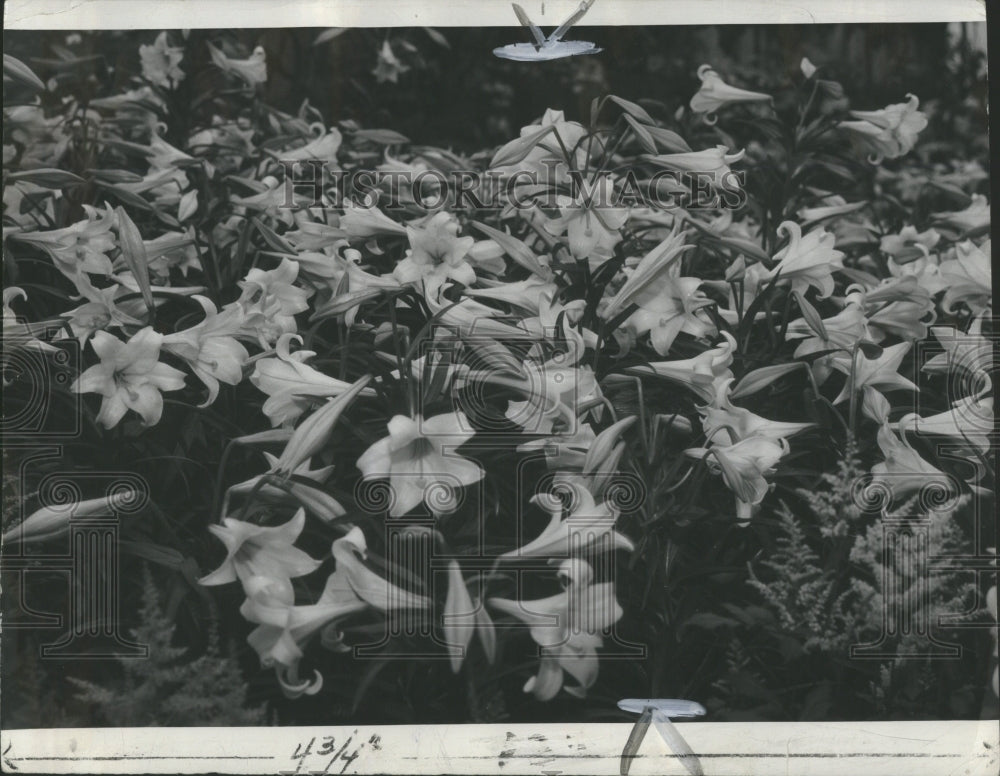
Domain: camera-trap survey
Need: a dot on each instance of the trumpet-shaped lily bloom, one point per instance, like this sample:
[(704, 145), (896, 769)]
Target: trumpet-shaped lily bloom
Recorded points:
[(16, 333), (902, 308), (388, 67), (974, 218), (129, 377), (584, 524), (323, 148), (251, 71), (210, 348), (567, 628), (364, 222), (807, 261), (710, 161), (838, 333), (172, 250), (160, 62), (260, 551), (968, 278), (889, 132), (909, 244), (674, 309), (715, 93), (643, 281), (270, 301), (557, 391), (590, 220), (436, 253), (462, 618), (100, 312), (724, 423), (291, 384), (903, 471), (968, 352), (283, 628), (873, 374), (80, 247), (350, 552), (413, 457), (699, 373), (745, 467), (291, 491), (969, 420)]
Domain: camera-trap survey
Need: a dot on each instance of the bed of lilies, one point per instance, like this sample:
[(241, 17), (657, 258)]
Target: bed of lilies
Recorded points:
[(519, 438)]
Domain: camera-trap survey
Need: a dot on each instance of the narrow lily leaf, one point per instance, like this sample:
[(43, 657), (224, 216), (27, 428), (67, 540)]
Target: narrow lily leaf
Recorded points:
[(116, 176), (272, 238), (134, 254), (642, 134), (515, 248), (381, 136), (16, 70), (811, 316), (134, 200), (632, 109), (47, 177), (517, 149), (759, 379)]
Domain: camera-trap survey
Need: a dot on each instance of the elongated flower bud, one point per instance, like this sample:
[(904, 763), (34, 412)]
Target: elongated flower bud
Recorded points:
[(312, 434), (49, 522)]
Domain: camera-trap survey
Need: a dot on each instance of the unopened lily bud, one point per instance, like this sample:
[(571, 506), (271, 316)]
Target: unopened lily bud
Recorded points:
[(458, 616), (49, 522), (316, 501), (313, 433), (759, 379), (487, 632), (608, 470), (603, 445), (265, 437), (134, 254)]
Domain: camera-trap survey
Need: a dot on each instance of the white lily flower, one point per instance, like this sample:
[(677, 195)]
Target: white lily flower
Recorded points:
[(129, 377), (568, 628), (715, 93), (413, 457)]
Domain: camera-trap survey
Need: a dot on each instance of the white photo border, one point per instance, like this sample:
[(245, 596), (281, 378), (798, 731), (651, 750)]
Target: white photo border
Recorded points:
[(917, 748)]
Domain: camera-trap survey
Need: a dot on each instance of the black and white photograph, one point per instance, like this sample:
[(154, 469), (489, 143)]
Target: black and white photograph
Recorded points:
[(556, 374)]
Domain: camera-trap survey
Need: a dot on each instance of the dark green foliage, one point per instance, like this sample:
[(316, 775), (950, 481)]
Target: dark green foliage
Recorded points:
[(171, 688)]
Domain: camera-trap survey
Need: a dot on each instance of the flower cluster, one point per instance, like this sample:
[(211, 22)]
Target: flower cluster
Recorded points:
[(400, 357)]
